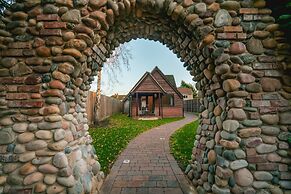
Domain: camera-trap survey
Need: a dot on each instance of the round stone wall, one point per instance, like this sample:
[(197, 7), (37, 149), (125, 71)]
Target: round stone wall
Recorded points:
[(51, 50)]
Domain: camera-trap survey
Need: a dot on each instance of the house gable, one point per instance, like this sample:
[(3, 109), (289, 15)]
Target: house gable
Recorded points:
[(162, 80)]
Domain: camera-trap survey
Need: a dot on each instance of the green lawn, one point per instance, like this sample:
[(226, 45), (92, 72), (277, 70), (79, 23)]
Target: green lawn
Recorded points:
[(110, 140), (181, 143)]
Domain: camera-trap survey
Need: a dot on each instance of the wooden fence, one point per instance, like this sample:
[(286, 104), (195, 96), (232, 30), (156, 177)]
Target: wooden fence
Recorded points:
[(108, 107), (192, 105)]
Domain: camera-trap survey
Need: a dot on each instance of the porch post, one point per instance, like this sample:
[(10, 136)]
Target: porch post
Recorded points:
[(161, 100), (159, 104), (136, 103)]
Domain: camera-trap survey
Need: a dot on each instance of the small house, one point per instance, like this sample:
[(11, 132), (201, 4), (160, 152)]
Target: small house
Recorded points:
[(186, 92), (154, 95)]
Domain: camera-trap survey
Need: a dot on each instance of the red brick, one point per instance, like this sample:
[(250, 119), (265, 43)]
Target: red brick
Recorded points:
[(28, 88), (251, 152), (263, 110), (51, 32), (226, 36), (283, 167), (11, 88), (35, 96), (267, 59), (25, 104), (277, 103), (48, 17), (249, 11), (241, 36), (248, 17), (32, 80), (12, 80), (263, 65), (267, 166), (257, 159), (285, 175), (256, 96), (254, 115), (54, 25), (232, 29), (11, 53), (20, 45), (259, 103), (29, 52), (17, 96)]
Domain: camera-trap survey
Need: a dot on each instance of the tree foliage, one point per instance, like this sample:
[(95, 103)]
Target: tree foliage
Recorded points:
[(188, 85), (281, 11)]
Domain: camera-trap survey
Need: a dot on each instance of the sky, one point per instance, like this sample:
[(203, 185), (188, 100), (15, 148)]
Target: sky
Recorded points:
[(146, 55)]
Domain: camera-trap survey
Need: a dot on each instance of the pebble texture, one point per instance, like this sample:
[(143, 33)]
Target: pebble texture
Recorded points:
[(50, 50)]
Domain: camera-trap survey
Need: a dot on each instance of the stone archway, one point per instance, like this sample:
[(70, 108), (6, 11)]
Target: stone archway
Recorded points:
[(233, 49)]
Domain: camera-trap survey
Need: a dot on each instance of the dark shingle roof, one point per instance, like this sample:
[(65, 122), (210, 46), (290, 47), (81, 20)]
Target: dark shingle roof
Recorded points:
[(171, 79)]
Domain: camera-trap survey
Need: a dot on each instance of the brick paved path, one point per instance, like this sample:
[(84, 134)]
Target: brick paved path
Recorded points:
[(152, 169)]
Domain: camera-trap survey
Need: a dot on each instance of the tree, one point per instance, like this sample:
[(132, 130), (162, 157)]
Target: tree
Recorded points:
[(113, 66), (4, 4), (191, 86)]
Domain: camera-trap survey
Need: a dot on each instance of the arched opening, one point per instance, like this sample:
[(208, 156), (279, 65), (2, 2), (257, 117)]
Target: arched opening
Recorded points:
[(233, 49)]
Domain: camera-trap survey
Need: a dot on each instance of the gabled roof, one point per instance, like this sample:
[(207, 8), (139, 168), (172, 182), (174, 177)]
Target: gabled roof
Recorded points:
[(171, 79), (147, 74), (185, 90), (174, 87)]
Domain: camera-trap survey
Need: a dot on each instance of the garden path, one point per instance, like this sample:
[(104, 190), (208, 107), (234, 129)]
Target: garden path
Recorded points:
[(147, 167)]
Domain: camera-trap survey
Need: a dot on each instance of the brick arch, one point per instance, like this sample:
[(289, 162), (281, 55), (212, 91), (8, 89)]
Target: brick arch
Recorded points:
[(233, 49)]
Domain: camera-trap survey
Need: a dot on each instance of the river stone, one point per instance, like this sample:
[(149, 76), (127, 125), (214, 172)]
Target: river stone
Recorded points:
[(270, 119), (27, 156), (252, 142), (285, 118), (211, 157), (14, 179), (43, 134), (229, 144), (268, 130), (228, 136), (25, 137), (254, 87), (200, 8), (236, 114), (243, 177), (66, 181), (26, 169), (33, 178), (219, 190), (50, 179), (230, 85), (59, 134), (72, 16), (7, 136), (237, 48), (270, 84), (249, 132), (222, 18), (266, 148), (238, 164), (55, 188), (230, 125), (263, 176), (252, 123), (245, 78), (60, 160), (20, 127), (58, 146), (255, 46), (229, 155), (36, 145), (240, 154), (47, 169), (230, 5), (285, 184)]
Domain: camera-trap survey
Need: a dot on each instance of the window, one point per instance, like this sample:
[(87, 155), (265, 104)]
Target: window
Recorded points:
[(168, 100)]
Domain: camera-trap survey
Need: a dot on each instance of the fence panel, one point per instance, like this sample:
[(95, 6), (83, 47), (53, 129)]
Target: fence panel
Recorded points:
[(108, 107), (192, 105)]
